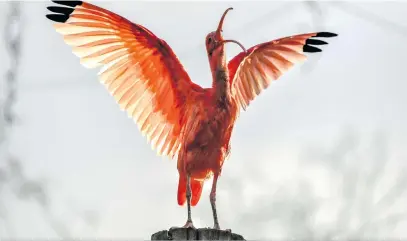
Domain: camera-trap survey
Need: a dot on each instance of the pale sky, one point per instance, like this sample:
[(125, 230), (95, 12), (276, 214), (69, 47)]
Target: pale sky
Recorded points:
[(336, 119)]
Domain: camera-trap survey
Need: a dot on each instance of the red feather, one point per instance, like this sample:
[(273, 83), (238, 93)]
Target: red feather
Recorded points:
[(252, 72)]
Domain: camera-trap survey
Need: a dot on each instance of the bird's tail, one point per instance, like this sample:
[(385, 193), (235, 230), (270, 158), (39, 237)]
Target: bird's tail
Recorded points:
[(196, 189)]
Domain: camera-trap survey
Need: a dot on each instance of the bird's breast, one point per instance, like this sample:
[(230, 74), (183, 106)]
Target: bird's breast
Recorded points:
[(211, 128), (207, 136)]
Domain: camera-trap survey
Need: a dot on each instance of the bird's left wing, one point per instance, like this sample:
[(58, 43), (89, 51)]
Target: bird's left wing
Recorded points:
[(139, 70), (252, 72)]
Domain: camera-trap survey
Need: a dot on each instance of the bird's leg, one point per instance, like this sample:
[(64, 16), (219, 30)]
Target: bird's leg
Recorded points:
[(212, 198), (189, 223)]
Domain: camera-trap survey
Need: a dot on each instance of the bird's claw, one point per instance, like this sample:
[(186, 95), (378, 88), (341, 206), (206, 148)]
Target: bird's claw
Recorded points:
[(189, 224), (217, 227)]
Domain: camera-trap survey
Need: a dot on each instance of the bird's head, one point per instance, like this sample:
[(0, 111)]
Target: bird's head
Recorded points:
[(214, 41)]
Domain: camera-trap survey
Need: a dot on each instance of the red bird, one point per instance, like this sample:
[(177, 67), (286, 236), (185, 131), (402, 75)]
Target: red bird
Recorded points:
[(179, 118)]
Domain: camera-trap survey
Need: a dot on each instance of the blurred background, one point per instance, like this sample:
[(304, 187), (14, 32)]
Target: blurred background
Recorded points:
[(320, 154)]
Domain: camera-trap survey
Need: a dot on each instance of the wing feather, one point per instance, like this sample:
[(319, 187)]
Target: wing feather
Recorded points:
[(138, 69), (253, 72)]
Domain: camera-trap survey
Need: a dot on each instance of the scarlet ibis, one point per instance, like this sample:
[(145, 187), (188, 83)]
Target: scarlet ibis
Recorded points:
[(179, 118)]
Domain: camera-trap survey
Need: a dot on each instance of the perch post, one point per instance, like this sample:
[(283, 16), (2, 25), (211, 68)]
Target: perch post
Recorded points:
[(198, 234)]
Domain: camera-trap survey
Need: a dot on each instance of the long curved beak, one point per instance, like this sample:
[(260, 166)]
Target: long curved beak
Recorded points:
[(220, 26), (219, 32), (234, 41)]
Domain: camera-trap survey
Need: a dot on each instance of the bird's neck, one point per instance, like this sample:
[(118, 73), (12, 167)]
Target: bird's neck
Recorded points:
[(220, 76)]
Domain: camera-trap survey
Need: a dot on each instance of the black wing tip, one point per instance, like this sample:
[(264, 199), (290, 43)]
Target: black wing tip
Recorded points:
[(326, 34), (57, 17), (310, 49), (69, 3), (315, 42), (310, 41), (63, 10), (63, 13)]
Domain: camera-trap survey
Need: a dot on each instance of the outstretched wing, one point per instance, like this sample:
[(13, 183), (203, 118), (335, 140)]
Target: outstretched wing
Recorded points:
[(252, 72), (139, 70)]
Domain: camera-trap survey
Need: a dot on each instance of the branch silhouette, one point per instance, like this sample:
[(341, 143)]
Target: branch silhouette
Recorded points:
[(12, 175)]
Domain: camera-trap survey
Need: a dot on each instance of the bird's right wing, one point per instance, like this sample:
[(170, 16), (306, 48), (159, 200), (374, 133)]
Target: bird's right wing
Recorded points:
[(252, 72), (139, 70)]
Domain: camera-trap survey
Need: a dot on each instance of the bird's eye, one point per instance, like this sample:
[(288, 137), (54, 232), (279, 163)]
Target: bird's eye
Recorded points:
[(209, 40)]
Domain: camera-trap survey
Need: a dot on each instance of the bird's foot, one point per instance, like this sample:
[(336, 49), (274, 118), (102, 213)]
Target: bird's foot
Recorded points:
[(217, 227), (188, 224)]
